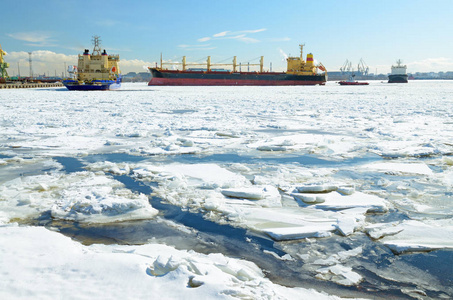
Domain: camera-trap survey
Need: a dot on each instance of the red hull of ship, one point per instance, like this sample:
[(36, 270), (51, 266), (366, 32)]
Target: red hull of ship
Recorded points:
[(353, 83), (226, 82)]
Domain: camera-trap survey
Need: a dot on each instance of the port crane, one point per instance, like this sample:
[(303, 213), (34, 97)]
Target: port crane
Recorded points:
[(3, 66), (362, 68), (347, 67)]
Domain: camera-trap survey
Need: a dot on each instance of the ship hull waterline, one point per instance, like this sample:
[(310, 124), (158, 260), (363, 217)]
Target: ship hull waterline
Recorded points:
[(352, 83), (193, 78), (105, 86), (397, 78)]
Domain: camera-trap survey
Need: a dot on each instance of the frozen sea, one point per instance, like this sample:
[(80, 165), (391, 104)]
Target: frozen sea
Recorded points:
[(317, 192)]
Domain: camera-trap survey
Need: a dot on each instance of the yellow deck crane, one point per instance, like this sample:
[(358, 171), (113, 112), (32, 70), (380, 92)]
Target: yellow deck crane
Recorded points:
[(3, 66)]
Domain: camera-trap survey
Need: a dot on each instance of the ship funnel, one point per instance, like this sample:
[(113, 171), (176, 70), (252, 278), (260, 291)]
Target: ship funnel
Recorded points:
[(310, 59)]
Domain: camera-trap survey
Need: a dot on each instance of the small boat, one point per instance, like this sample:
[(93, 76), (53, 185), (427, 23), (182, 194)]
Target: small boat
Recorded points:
[(351, 81)]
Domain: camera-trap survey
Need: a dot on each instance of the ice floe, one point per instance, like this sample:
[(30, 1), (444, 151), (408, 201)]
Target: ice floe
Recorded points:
[(414, 236), (308, 165), (36, 263), (400, 168), (81, 196)]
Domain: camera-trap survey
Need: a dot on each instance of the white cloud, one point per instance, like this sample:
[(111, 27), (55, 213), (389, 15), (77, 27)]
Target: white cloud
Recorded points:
[(241, 35), (49, 63), (37, 38), (243, 38), (197, 47), (43, 61), (205, 39), (438, 64), (253, 31), (42, 56), (134, 65), (283, 39), (220, 34)]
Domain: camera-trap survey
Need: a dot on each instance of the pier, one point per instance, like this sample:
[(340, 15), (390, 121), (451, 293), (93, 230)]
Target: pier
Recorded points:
[(30, 85)]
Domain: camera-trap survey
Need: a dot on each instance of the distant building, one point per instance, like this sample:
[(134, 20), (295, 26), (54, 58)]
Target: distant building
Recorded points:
[(341, 75), (137, 77)]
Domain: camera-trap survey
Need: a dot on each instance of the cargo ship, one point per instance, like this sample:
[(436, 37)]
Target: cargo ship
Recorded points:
[(95, 71), (398, 74), (299, 72)]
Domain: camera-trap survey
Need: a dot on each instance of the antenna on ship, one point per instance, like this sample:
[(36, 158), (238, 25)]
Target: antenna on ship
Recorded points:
[(301, 51), (97, 48)]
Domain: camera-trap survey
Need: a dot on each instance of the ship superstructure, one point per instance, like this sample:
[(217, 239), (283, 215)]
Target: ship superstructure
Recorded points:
[(95, 71), (299, 72), (399, 73)]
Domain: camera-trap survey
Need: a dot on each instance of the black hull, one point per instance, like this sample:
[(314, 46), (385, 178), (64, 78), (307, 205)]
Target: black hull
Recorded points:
[(397, 78), (172, 77)]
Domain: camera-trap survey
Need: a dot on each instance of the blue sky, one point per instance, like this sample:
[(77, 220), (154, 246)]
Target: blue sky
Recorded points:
[(418, 32)]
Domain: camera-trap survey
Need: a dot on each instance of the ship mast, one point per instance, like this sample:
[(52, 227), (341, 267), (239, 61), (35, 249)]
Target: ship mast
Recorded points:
[(97, 48)]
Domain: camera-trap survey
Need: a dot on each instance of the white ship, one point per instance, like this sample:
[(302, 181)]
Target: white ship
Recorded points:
[(399, 74)]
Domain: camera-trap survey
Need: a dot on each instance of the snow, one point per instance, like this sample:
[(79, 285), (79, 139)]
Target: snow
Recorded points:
[(309, 165), (37, 263)]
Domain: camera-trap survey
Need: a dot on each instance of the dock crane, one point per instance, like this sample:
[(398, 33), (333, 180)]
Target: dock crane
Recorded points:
[(362, 67), (347, 67), (3, 66)]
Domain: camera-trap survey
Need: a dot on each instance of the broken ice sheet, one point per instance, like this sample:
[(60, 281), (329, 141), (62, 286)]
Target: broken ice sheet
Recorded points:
[(79, 196), (414, 236), (333, 145), (336, 201), (400, 168), (340, 274)]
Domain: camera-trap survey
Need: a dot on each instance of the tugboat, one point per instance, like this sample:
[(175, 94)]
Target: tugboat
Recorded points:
[(96, 71), (351, 81), (398, 74), (299, 72)]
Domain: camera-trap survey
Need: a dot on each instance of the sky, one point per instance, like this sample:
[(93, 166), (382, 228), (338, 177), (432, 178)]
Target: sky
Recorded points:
[(419, 32)]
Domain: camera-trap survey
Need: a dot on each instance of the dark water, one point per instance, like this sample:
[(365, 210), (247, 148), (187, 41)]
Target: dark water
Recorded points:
[(209, 237), (265, 158)]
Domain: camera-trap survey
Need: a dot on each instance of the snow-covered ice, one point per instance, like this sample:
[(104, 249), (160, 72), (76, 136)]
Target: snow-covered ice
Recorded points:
[(82, 197), (311, 169), (41, 264)]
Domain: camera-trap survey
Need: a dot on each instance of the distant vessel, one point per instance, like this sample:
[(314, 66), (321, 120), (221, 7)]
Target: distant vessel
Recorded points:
[(98, 71), (398, 74), (351, 81), (299, 72)]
